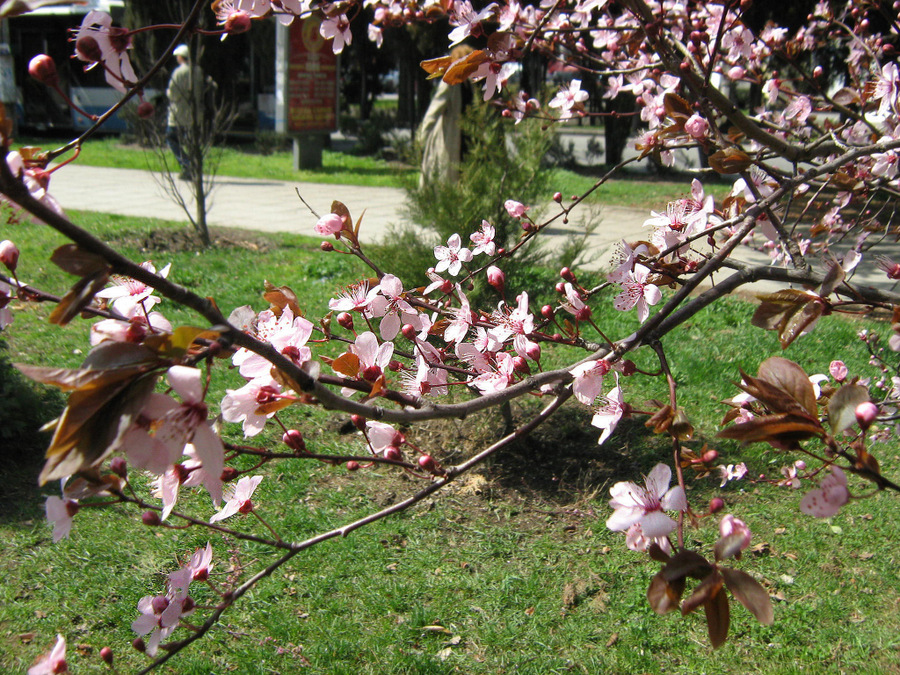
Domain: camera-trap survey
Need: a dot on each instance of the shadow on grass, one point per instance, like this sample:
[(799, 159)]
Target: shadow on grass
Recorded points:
[(561, 461), (25, 407)]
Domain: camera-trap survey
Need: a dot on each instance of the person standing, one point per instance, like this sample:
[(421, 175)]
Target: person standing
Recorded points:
[(185, 94)]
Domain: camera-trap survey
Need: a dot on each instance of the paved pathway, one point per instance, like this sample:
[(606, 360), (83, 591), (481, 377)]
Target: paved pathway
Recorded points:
[(274, 206)]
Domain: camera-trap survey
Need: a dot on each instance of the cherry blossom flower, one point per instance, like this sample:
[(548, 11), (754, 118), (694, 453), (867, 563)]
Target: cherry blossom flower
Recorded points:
[(569, 100), (696, 126), (98, 41), (519, 323), (160, 615), (381, 435), (54, 662), (330, 223), (129, 296), (36, 181), (645, 506), (497, 378), (238, 501), (452, 256), (588, 382), (338, 29), (827, 499), (732, 472), (355, 298), (60, 513), (467, 21), (611, 410), (287, 333), (887, 85), (515, 209), (484, 239), (636, 292), (730, 526), (373, 357), (390, 303), (636, 540), (244, 404), (175, 425), (463, 318)]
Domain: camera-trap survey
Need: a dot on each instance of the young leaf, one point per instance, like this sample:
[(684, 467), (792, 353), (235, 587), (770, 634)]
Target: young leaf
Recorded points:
[(664, 595), (791, 379), (789, 312), (718, 618), (346, 364), (750, 593), (704, 592)]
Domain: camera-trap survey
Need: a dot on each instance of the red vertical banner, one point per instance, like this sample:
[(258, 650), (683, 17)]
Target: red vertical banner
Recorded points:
[(312, 79)]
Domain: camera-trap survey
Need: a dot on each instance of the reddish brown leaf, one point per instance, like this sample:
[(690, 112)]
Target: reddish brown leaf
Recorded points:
[(702, 594), (281, 297), (460, 70), (750, 593), (346, 364), (686, 564), (791, 379), (842, 406), (718, 618), (782, 427), (663, 595), (771, 396), (79, 297), (730, 160), (436, 67), (74, 260), (789, 312), (504, 41), (675, 105)]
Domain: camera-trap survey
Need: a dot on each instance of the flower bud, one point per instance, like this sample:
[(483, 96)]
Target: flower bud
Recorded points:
[(866, 414), (838, 370), (330, 223), (150, 518), (547, 312), (159, 604), (393, 453), (145, 110), (237, 23), (408, 331), (43, 69), (716, 505), (566, 274), (345, 320), (557, 197), (139, 644), (514, 208), (520, 365), (710, 456), (496, 278), (107, 655), (560, 287), (427, 463), (119, 466), (326, 246), (9, 254), (352, 465), (358, 421), (533, 351), (229, 473)]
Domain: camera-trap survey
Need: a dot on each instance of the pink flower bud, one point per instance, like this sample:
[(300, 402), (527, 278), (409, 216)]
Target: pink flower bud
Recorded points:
[(107, 655), (330, 223), (710, 456), (9, 254), (345, 320), (352, 465), (557, 197), (866, 414), (533, 351), (547, 312), (119, 466), (736, 73), (838, 370), (139, 645), (496, 278), (567, 274), (392, 452), (427, 463), (326, 246), (716, 505), (43, 69), (520, 365), (229, 473), (696, 126), (514, 208), (358, 421), (560, 287), (408, 331), (145, 110), (730, 525), (150, 518)]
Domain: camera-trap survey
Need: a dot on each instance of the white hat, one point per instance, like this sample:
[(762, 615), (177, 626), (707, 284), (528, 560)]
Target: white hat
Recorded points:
[(182, 50)]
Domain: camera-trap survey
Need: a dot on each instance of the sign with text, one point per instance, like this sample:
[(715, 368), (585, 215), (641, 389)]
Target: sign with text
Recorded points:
[(308, 79)]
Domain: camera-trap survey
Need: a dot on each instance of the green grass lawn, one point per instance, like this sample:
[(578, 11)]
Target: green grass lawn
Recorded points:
[(511, 571)]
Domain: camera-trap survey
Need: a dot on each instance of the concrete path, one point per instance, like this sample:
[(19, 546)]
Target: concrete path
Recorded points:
[(274, 206)]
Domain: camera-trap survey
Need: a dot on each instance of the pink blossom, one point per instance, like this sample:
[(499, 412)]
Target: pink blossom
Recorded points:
[(569, 100), (637, 292), (129, 296), (372, 356), (645, 506), (239, 498), (98, 41), (54, 662), (827, 499), (886, 88), (732, 472), (452, 256), (466, 20), (245, 404), (497, 378), (607, 416), (381, 435), (160, 615), (337, 28), (389, 301), (287, 333), (636, 540), (588, 382), (9, 253), (60, 513), (838, 370), (484, 239)]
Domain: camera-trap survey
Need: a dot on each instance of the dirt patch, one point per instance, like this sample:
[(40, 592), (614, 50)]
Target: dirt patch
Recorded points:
[(176, 241)]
